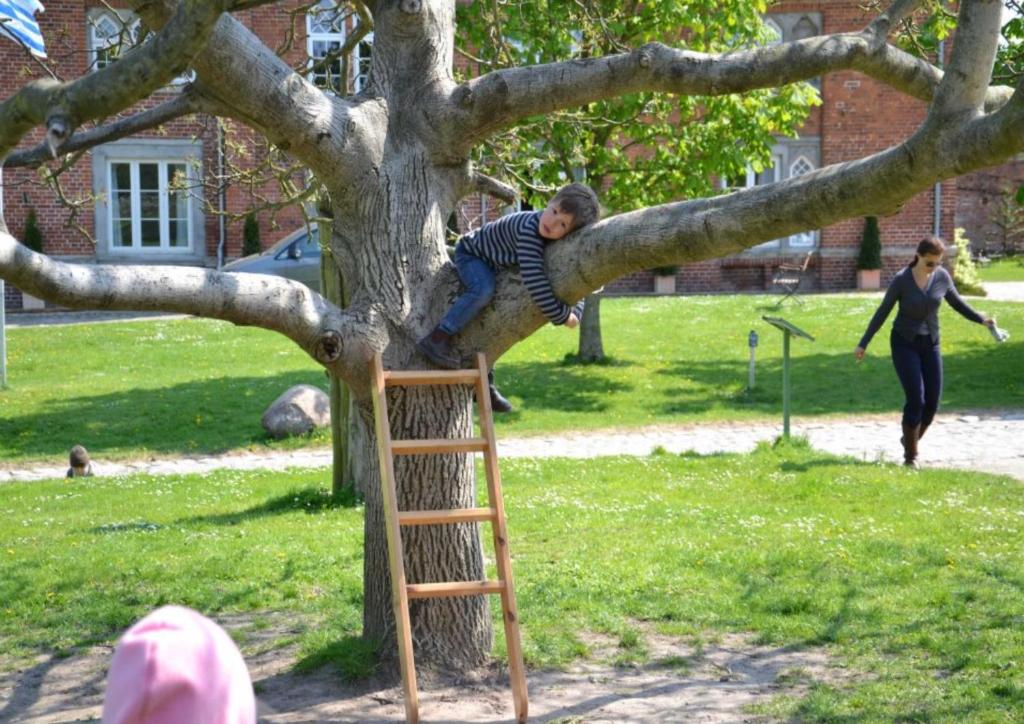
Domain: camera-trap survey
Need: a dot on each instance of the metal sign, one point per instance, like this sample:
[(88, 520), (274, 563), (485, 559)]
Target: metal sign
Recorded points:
[(787, 327), (788, 330)]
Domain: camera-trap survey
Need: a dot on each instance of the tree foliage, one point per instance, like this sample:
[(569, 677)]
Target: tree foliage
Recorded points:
[(639, 149)]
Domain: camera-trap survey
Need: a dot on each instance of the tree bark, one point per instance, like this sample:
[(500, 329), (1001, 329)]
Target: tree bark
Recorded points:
[(591, 347)]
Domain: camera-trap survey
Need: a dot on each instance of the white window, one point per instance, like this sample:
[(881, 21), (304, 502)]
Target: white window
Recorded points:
[(150, 206), (363, 61), (780, 170), (805, 239), (110, 36), (325, 34), (773, 32)]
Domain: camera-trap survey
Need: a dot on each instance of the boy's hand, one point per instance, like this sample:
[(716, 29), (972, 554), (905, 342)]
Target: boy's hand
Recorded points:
[(572, 322)]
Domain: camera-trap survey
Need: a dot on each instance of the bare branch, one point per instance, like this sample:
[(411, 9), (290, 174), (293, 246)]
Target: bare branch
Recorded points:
[(339, 340), (250, 83), (64, 106), (885, 23), (691, 231), (493, 187), (504, 97), (182, 105)]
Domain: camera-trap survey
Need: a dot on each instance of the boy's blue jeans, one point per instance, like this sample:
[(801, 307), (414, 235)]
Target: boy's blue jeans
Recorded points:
[(478, 277)]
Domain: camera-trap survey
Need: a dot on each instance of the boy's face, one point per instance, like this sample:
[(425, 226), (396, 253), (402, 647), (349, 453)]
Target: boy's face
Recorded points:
[(555, 223)]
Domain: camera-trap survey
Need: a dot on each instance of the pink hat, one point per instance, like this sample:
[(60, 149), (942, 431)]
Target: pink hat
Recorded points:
[(176, 666)]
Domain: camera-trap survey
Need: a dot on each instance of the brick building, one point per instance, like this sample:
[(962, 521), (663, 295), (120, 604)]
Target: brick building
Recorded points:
[(155, 220)]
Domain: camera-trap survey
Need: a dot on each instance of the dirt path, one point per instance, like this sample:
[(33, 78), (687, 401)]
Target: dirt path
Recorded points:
[(717, 684), (991, 441)]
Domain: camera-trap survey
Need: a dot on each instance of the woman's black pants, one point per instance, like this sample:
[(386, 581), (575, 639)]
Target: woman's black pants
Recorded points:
[(918, 364)]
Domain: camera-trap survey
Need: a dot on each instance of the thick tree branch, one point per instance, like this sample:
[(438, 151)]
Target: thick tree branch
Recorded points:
[(966, 82), (502, 98), (691, 231), (251, 84), (340, 340), (181, 105), (64, 106)]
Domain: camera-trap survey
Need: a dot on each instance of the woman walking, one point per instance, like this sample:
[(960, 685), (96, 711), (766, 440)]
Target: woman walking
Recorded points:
[(919, 288)]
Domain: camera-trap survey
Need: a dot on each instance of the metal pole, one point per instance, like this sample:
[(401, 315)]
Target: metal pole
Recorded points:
[(3, 339), (3, 300), (785, 383), (752, 343)]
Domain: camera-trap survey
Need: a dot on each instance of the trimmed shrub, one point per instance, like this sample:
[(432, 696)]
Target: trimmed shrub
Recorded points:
[(33, 236), (251, 235), (870, 254)]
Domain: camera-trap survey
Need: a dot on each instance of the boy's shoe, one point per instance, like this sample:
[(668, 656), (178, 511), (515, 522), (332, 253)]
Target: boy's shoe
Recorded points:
[(436, 346), (498, 401)]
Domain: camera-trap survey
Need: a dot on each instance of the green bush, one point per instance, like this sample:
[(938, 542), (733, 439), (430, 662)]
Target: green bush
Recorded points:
[(251, 235), (965, 274), (870, 255), (33, 236)]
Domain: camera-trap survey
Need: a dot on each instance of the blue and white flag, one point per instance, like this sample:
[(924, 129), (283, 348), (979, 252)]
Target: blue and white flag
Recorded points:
[(18, 21)]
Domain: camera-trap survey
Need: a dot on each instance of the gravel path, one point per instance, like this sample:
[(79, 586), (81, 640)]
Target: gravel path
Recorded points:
[(992, 441)]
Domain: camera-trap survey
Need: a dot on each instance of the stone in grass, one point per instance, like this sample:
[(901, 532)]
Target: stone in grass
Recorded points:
[(299, 410)]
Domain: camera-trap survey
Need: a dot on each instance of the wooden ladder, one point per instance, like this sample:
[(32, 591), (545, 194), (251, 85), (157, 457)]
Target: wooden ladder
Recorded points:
[(401, 591)]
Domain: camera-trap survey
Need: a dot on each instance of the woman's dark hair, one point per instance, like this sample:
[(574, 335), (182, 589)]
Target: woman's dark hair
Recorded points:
[(929, 246)]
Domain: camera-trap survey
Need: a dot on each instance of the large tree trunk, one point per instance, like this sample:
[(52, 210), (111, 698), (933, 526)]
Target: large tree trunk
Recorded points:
[(455, 633), (591, 348)]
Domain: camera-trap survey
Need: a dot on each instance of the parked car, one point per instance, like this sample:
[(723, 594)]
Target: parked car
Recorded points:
[(296, 256)]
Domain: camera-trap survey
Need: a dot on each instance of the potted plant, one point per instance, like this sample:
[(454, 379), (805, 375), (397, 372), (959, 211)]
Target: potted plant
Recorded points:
[(33, 239), (665, 279), (869, 260)]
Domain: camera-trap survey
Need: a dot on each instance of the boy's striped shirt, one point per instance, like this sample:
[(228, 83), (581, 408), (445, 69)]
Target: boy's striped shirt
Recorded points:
[(516, 239)]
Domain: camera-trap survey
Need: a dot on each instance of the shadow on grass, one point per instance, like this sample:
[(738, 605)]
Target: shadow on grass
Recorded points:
[(307, 500), (355, 657), (982, 376), (205, 416), (566, 387)]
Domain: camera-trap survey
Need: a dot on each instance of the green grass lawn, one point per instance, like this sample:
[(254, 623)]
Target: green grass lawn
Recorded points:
[(1009, 269), (912, 580), (183, 386)]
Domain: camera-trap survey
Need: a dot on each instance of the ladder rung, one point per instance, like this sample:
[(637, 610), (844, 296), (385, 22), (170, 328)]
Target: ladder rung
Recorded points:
[(423, 447), (434, 517), (432, 377), (457, 588)]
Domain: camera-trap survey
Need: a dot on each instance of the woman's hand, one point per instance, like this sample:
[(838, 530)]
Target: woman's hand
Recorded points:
[(572, 322), (858, 354)]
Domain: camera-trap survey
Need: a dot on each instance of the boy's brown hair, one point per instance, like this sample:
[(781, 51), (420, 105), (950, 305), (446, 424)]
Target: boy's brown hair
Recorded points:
[(580, 201)]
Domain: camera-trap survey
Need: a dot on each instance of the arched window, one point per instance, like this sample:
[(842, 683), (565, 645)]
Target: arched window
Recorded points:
[(805, 28), (110, 36), (773, 32), (805, 239), (801, 166)]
